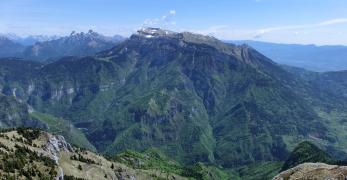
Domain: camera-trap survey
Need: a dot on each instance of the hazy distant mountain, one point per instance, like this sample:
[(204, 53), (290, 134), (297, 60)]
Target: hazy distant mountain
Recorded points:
[(9, 48), (29, 40), (117, 38), (77, 44), (311, 57), (50, 48)]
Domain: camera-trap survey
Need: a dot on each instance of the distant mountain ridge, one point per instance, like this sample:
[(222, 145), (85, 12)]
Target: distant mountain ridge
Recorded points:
[(9, 48), (43, 48), (77, 44), (31, 39), (311, 57), (47, 49)]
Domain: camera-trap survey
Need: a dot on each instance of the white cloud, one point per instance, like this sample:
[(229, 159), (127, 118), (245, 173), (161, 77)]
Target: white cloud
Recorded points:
[(172, 12), (224, 32), (163, 21), (212, 30), (261, 32)]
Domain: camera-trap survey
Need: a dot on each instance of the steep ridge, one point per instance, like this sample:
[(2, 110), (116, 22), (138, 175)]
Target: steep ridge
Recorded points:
[(307, 152), (307, 161), (192, 96)]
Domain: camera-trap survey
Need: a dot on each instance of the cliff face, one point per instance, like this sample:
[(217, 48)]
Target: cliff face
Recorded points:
[(314, 171), (14, 113)]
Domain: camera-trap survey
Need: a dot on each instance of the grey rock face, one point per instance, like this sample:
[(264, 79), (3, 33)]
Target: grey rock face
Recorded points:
[(313, 171), (54, 145)]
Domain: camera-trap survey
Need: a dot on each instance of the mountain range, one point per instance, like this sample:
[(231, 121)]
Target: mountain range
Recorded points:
[(192, 97), (30, 39), (50, 48), (46, 49)]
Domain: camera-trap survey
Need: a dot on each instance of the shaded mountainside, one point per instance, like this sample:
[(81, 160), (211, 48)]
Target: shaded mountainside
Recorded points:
[(193, 97), (9, 48), (14, 113), (17, 114), (307, 152), (308, 161), (335, 82), (328, 90)]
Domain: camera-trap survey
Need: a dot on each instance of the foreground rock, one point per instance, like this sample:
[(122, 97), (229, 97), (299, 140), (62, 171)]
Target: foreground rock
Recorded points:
[(313, 171)]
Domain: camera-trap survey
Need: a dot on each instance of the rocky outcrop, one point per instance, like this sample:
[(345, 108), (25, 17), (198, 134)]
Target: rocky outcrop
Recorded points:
[(313, 171), (54, 145)]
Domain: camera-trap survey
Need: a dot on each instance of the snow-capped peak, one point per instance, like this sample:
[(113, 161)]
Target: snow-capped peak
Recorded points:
[(154, 32)]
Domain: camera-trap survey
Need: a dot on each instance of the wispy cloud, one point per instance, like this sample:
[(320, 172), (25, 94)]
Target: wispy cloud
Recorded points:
[(212, 30), (163, 21), (261, 32), (329, 32), (224, 32)]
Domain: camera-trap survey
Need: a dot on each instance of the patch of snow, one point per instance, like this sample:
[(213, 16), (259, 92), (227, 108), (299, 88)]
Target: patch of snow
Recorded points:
[(70, 91), (31, 88), (30, 109), (14, 90), (148, 36)]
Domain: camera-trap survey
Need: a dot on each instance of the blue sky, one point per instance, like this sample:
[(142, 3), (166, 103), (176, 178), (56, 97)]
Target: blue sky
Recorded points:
[(284, 21)]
